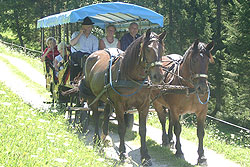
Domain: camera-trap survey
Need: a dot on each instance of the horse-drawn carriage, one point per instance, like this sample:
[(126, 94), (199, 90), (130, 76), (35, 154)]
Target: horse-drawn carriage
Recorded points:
[(118, 14), (139, 76)]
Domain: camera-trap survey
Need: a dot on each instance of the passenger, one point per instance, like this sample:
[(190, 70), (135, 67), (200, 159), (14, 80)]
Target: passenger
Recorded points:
[(83, 40), (128, 38), (109, 41), (62, 48), (51, 51)]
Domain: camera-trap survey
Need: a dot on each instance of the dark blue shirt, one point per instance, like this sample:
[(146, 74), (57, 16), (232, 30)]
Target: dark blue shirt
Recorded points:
[(126, 40)]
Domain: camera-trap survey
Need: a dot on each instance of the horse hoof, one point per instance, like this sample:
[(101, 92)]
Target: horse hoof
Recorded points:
[(165, 143), (107, 141), (146, 162), (180, 155), (122, 157), (171, 144), (202, 161)]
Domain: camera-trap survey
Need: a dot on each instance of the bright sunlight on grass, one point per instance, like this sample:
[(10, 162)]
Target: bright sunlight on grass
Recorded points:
[(37, 138)]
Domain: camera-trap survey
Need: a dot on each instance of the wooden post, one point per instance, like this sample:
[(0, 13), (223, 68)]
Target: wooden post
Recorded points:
[(24, 48)]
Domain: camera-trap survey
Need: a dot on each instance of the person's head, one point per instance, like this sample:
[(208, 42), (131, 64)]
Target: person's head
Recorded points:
[(87, 25), (62, 46), (51, 42), (110, 30), (133, 29)]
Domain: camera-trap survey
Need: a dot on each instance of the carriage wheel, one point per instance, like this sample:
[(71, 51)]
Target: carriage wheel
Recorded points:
[(129, 121)]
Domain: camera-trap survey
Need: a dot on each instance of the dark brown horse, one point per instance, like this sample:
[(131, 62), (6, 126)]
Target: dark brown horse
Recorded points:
[(141, 60), (192, 72)]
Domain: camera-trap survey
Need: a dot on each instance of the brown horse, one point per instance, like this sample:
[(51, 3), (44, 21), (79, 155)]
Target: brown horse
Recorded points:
[(141, 60), (192, 72)]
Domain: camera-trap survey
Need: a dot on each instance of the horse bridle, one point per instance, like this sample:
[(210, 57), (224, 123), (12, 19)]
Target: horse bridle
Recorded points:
[(149, 65), (194, 75)]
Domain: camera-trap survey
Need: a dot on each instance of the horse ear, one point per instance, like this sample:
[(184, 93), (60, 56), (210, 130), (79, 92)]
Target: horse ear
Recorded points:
[(148, 34), (210, 46), (195, 45), (162, 35)]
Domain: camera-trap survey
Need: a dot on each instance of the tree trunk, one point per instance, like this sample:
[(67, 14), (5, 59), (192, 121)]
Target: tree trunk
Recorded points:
[(218, 74), (18, 28)]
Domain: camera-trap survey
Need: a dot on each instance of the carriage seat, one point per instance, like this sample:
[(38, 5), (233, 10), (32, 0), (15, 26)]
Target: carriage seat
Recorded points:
[(77, 63), (175, 58), (114, 52)]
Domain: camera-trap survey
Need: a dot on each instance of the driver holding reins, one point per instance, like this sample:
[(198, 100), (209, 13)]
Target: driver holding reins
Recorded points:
[(83, 43)]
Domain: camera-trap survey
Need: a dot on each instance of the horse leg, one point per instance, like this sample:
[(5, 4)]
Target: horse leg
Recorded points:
[(170, 130), (145, 157), (177, 132), (162, 114), (96, 115), (105, 127), (200, 133), (121, 131)]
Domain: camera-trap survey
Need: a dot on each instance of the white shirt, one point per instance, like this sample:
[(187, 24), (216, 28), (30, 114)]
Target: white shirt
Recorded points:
[(110, 45), (87, 45), (59, 59)]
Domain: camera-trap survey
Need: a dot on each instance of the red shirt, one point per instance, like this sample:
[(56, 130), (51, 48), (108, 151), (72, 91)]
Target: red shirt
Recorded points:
[(50, 54)]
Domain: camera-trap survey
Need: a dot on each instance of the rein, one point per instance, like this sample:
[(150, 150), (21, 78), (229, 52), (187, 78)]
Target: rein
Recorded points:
[(208, 96)]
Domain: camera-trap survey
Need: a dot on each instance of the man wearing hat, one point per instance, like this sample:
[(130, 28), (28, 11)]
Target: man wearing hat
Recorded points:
[(83, 43), (83, 40)]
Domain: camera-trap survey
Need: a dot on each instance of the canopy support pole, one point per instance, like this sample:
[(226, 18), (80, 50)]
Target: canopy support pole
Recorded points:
[(64, 28), (42, 39)]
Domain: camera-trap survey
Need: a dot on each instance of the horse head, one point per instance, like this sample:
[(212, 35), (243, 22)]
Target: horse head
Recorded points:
[(198, 56), (151, 55)]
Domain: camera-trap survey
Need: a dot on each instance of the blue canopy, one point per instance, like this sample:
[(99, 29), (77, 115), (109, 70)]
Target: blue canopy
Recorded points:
[(117, 13)]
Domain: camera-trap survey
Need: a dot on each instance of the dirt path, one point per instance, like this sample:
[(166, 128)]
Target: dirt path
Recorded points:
[(31, 97)]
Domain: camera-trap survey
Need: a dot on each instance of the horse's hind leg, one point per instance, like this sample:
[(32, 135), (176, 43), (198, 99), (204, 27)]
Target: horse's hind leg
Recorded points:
[(162, 114), (200, 133), (96, 115), (105, 127)]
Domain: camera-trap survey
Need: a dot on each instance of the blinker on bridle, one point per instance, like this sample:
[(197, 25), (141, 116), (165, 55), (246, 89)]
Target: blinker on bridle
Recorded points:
[(148, 65)]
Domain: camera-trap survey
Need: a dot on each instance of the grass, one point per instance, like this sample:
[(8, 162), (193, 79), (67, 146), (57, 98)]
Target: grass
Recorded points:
[(31, 84), (33, 61), (39, 138), (221, 139)]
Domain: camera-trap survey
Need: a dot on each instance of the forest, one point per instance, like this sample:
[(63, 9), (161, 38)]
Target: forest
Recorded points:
[(226, 22)]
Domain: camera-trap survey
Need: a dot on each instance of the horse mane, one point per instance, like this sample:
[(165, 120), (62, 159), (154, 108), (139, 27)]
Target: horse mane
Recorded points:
[(131, 56)]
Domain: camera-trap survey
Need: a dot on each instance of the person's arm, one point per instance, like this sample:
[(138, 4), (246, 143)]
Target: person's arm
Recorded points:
[(56, 65), (95, 44), (47, 50), (75, 40), (119, 45), (101, 44), (123, 43)]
